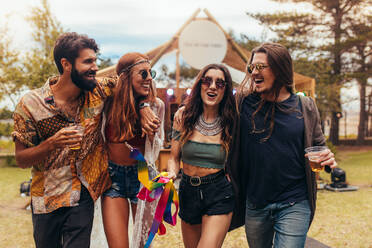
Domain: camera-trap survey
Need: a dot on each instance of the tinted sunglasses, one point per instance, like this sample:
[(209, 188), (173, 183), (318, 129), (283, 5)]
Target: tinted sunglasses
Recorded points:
[(145, 73), (207, 81), (258, 66)]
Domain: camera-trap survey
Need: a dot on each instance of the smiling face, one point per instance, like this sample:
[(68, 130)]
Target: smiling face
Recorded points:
[(264, 78), (141, 86), (210, 93), (83, 72)]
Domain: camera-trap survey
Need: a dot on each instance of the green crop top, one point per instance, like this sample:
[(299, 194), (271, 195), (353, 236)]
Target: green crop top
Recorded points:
[(206, 155)]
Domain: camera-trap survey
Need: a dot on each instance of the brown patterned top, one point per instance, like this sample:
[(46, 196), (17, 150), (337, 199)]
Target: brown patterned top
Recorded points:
[(56, 181)]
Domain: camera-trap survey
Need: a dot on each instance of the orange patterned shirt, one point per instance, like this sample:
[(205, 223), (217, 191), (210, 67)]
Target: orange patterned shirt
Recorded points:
[(56, 181)]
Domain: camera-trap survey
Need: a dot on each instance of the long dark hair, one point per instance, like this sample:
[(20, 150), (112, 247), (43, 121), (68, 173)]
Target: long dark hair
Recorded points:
[(280, 62), (194, 107), (122, 106)]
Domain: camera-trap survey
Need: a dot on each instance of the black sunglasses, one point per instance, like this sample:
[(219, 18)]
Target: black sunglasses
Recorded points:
[(207, 81), (145, 73), (258, 66)]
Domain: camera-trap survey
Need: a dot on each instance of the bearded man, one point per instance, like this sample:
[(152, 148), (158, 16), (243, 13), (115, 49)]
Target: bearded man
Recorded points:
[(69, 169)]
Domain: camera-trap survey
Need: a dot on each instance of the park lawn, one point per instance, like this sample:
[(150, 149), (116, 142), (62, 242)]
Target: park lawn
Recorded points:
[(341, 220), (15, 222)]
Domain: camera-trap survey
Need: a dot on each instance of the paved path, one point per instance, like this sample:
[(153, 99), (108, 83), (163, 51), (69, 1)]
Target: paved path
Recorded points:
[(313, 243)]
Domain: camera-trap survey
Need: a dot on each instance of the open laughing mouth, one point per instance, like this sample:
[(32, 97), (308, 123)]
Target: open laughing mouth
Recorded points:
[(259, 81), (146, 86), (90, 74), (211, 95)]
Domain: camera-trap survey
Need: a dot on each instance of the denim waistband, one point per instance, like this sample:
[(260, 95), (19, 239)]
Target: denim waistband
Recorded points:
[(122, 168)]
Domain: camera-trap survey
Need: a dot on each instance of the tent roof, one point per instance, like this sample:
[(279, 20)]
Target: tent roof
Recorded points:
[(232, 58)]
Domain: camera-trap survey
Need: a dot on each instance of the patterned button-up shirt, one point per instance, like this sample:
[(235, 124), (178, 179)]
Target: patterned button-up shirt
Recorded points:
[(56, 181)]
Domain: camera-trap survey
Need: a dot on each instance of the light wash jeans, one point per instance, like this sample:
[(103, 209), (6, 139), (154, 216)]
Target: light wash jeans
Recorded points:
[(285, 224)]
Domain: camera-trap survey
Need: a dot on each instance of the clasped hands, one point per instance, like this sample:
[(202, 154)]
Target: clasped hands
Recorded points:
[(150, 123)]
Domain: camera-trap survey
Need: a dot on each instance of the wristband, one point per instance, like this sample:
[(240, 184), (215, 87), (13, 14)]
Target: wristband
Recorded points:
[(144, 105)]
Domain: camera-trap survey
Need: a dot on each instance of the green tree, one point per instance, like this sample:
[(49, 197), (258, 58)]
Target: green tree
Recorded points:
[(321, 33), (39, 62), (103, 62), (5, 113), (186, 72), (6, 129), (19, 73), (11, 73), (361, 67)]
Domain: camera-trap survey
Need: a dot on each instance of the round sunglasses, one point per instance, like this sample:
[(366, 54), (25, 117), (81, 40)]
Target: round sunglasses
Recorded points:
[(258, 67), (207, 81), (145, 73)]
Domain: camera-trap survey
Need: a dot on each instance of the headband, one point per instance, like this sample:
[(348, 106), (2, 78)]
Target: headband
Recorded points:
[(130, 67)]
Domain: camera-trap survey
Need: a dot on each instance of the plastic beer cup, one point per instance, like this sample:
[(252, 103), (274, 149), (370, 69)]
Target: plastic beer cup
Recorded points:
[(313, 153)]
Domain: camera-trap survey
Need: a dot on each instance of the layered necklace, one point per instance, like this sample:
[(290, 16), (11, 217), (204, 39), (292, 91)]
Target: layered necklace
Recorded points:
[(208, 129)]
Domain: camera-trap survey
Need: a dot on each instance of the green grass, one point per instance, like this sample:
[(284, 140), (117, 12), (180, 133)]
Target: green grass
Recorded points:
[(7, 146), (342, 219), (357, 165), (10, 180), (16, 224)]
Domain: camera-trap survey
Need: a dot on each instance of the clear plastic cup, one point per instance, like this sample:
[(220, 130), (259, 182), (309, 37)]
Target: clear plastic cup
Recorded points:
[(313, 153), (80, 130)]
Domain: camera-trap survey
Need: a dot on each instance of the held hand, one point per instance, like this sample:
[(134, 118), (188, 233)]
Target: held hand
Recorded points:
[(149, 121), (172, 175), (65, 138), (326, 157), (178, 116)]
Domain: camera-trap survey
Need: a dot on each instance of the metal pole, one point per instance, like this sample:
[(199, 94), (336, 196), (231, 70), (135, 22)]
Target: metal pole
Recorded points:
[(178, 68), (345, 125)]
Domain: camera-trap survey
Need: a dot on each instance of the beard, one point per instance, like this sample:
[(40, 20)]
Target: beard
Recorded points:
[(78, 78)]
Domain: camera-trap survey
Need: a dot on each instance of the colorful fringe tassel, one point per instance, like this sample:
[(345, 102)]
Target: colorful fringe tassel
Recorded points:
[(162, 187)]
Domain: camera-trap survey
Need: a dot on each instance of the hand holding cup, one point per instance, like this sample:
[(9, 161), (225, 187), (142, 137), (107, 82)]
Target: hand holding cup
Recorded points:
[(315, 155), (78, 130)]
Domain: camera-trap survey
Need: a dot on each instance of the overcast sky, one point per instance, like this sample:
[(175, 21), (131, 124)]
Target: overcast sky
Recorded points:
[(138, 25), (120, 26)]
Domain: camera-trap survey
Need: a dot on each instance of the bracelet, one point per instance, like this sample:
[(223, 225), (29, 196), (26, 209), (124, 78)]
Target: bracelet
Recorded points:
[(144, 105)]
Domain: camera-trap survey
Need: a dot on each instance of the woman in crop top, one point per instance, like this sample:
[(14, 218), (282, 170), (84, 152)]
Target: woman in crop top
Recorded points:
[(202, 141), (122, 130)]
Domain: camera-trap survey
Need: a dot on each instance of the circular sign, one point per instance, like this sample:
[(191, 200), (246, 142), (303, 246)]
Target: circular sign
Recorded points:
[(201, 43)]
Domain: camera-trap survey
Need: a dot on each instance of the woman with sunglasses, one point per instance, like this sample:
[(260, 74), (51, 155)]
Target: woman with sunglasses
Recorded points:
[(202, 141), (122, 132)]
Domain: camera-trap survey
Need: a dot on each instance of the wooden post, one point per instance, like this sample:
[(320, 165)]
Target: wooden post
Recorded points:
[(177, 93)]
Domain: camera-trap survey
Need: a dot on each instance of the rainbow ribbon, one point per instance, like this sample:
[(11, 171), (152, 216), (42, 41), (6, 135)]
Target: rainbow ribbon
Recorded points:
[(162, 187)]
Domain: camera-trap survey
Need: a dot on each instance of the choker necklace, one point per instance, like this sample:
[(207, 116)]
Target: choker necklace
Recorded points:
[(208, 129)]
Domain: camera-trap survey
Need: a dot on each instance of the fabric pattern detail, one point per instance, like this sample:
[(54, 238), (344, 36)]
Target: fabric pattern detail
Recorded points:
[(56, 181)]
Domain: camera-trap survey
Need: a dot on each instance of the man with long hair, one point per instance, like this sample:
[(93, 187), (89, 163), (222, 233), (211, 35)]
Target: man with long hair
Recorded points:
[(274, 182), (69, 169)]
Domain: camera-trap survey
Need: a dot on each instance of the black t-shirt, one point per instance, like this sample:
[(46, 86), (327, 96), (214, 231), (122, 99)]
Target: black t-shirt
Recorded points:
[(276, 167)]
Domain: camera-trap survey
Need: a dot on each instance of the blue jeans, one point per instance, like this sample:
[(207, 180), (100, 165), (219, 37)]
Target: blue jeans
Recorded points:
[(285, 224)]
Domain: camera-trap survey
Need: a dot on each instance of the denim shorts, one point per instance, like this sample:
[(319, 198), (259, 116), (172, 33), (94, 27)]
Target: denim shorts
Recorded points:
[(214, 198), (125, 182)]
